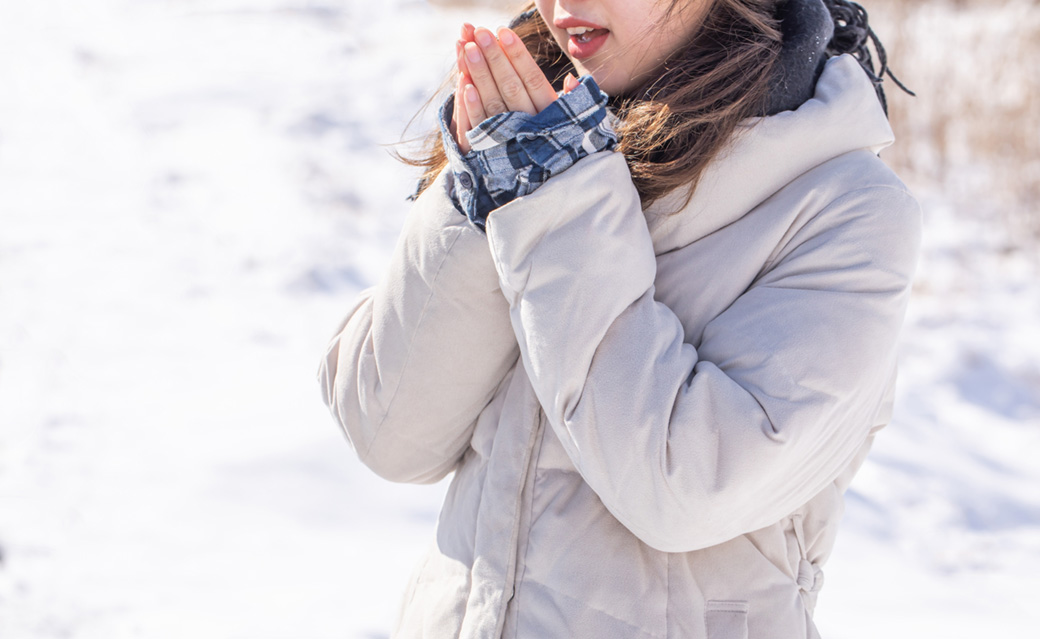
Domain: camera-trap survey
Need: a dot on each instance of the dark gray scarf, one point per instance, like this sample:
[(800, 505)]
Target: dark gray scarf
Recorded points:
[(813, 31)]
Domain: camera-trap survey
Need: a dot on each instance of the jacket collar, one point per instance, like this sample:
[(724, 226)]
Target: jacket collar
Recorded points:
[(766, 153)]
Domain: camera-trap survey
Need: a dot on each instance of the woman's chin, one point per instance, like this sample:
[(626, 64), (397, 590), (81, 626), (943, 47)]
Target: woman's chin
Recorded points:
[(607, 84), (603, 79), (610, 81)]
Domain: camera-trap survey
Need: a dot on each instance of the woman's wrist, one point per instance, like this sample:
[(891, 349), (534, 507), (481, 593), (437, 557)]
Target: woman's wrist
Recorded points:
[(511, 154)]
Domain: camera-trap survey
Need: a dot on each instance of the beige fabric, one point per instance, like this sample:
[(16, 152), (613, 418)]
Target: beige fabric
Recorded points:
[(693, 392)]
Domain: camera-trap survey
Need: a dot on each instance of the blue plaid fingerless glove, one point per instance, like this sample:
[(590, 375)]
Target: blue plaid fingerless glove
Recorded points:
[(512, 154)]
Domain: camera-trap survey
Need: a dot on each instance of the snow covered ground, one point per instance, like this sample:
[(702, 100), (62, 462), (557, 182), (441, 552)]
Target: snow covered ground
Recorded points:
[(191, 194)]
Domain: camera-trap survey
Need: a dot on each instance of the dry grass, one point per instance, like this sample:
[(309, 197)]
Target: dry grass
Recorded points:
[(973, 132)]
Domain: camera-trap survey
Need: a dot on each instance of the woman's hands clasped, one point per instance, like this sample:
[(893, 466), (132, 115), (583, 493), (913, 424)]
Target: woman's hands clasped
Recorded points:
[(496, 74)]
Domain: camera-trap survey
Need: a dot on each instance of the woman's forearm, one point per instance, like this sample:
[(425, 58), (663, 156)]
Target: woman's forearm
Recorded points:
[(423, 351), (689, 447)]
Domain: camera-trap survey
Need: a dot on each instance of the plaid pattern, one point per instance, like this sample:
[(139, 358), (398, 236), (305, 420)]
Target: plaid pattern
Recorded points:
[(512, 154)]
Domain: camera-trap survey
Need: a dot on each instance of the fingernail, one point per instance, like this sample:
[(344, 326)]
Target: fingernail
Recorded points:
[(484, 38), (473, 53), (471, 93), (506, 36)]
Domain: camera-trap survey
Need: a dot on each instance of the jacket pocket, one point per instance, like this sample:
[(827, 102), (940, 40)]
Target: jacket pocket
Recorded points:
[(726, 619)]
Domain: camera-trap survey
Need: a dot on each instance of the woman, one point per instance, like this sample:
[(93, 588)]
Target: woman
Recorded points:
[(653, 342)]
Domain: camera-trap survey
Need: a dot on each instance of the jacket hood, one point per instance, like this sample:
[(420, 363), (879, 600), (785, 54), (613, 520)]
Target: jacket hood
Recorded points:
[(766, 153)]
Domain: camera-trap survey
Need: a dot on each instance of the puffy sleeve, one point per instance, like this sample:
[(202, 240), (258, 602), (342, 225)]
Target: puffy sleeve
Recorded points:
[(689, 447), (421, 354)]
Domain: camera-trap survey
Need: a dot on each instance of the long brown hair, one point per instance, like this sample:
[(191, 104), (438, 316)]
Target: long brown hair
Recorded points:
[(671, 126)]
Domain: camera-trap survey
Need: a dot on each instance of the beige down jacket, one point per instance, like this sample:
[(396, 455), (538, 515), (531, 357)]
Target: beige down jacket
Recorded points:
[(651, 418)]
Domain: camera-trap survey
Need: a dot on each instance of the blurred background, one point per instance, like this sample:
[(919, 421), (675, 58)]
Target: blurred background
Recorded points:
[(192, 192)]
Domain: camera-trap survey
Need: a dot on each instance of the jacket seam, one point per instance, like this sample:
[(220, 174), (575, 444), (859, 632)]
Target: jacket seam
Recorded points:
[(533, 471), (667, 594)]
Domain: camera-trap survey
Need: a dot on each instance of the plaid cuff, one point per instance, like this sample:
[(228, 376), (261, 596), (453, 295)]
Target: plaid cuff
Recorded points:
[(512, 154)]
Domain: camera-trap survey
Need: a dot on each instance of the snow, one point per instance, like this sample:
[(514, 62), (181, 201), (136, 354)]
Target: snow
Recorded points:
[(191, 194)]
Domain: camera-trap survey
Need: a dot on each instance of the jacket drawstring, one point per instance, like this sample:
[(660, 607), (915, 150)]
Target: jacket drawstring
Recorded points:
[(810, 576)]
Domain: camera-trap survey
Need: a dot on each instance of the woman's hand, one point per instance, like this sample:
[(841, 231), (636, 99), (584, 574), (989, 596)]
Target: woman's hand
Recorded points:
[(496, 75)]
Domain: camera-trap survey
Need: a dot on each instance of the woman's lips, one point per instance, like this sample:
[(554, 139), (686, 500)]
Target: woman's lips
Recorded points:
[(586, 44)]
